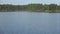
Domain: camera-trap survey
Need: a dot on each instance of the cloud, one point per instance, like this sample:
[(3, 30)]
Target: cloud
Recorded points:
[(29, 1)]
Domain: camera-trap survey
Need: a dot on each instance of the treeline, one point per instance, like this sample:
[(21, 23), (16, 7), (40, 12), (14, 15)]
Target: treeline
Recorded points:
[(31, 7)]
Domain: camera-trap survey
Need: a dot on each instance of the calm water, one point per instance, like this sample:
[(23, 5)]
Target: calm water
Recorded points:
[(29, 23)]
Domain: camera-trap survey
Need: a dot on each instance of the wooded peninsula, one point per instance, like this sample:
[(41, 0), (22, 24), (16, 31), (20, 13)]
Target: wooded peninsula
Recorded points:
[(30, 7)]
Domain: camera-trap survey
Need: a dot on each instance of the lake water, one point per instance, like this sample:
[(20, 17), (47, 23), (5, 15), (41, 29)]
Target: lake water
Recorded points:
[(29, 23)]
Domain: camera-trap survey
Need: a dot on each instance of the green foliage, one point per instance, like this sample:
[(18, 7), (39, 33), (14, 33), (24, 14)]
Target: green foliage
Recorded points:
[(31, 7)]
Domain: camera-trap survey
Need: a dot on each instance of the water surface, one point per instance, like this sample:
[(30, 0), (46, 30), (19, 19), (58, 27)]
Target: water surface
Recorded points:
[(29, 23)]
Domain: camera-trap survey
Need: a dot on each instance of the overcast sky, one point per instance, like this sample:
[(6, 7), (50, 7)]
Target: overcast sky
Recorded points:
[(22, 2)]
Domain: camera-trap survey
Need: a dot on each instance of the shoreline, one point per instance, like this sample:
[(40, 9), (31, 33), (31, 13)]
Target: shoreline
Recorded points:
[(49, 11)]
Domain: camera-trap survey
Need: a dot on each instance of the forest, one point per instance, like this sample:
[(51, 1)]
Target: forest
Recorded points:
[(30, 7)]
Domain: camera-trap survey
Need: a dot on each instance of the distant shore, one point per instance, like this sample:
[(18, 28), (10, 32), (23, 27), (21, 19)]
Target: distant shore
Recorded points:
[(52, 8), (58, 11)]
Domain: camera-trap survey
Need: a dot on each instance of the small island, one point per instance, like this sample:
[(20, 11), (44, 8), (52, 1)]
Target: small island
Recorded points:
[(51, 8)]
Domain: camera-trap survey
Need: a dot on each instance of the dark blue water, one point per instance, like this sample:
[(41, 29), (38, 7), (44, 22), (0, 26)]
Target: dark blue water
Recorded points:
[(29, 23)]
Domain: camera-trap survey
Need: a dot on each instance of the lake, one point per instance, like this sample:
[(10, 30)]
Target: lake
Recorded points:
[(29, 23)]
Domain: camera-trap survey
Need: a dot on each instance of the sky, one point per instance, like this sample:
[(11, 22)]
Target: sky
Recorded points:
[(23, 2)]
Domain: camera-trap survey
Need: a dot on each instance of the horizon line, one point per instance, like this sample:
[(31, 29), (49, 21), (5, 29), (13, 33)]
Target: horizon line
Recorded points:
[(28, 4)]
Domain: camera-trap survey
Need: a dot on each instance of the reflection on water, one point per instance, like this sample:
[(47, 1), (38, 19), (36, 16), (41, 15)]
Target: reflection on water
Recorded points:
[(29, 23)]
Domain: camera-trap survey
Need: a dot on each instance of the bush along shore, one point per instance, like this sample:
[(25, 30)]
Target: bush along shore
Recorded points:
[(51, 8)]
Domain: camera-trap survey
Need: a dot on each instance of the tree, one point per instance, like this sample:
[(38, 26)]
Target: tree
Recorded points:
[(52, 7)]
